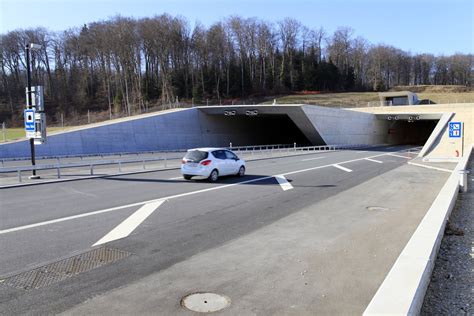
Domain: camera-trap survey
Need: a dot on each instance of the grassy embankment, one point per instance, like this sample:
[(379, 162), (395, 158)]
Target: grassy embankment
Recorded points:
[(361, 99), (19, 133), (436, 94)]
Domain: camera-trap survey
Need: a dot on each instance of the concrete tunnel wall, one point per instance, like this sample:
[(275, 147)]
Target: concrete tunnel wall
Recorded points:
[(207, 126), (163, 131), (346, 127)]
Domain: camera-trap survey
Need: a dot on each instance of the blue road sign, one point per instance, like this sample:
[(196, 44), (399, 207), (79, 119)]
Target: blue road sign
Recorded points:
[(30, 120), (455, 130)]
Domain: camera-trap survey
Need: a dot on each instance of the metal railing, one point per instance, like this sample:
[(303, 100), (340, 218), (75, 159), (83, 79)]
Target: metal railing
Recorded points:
[(90, 165), (125, 153), (255, 152)]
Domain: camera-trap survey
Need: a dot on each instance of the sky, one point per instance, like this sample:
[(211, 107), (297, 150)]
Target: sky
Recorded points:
[(440, 27)]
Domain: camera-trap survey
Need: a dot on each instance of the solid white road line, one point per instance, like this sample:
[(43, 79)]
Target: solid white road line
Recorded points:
[(312, 158), (399, 156), (429, 167), (62, 219), (176, 178), (342, 168), (58, 220), (130, 224), (373, 160), (285, 185)]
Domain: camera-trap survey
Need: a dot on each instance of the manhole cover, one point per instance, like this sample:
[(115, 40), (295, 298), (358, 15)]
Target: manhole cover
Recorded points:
[(205, 302), (377, 208)]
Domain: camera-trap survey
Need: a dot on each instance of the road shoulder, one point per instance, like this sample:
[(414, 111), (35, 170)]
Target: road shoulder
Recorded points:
[(304, 263)]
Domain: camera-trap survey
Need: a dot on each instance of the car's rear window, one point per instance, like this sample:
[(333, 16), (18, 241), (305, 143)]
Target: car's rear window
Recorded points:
[(195, 155)]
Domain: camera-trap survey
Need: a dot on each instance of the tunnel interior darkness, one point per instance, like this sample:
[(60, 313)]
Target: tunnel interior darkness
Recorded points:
[(261, 129), (410, 133)]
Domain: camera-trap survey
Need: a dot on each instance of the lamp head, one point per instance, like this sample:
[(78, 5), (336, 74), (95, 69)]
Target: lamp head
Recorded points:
[(35, 46)]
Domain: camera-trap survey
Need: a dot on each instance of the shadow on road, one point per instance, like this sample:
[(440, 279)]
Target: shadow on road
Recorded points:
[(265, 180)]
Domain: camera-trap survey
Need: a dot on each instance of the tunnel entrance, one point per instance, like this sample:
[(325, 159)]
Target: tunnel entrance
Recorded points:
[(410, 132), (243, 130)]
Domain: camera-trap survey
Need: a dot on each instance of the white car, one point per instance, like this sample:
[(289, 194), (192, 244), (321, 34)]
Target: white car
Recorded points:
[(211, 163)]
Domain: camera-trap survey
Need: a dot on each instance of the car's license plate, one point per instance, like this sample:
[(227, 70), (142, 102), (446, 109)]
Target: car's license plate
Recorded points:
[(192, 164)]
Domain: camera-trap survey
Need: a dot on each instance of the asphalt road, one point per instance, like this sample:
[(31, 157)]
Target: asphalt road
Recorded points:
[(43, 224)]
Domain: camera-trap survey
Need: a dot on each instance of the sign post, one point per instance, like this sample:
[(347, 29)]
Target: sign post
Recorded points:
[(31, 107)]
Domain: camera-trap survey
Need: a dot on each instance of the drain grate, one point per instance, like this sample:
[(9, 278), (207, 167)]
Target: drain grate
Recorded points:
[(61, 270)]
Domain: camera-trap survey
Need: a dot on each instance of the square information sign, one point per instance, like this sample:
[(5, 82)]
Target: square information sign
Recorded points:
[(455, 130), (30, 127)]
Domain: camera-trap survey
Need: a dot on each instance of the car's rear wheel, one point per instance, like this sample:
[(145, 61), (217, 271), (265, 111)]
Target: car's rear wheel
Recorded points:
[(213, 176), (187, 177), (241, 171)]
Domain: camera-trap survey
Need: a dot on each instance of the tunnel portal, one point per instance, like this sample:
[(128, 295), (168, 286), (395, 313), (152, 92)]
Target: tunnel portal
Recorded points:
[(410, 133), (244, 130)]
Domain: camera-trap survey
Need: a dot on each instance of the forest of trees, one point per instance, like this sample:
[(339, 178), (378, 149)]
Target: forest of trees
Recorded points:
[(127, 65)]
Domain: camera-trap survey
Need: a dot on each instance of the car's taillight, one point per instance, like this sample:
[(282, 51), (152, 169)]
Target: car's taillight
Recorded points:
[(205, 162), (183, 161)]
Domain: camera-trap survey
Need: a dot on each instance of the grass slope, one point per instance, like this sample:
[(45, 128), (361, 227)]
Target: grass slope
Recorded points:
[(361, 99), (19, 133)]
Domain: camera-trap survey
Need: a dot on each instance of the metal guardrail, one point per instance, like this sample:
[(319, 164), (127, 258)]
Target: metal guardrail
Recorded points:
[(120, 154), (270, 150), (90, 165)]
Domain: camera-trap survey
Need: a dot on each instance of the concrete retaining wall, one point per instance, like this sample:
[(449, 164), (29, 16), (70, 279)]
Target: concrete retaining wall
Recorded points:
[(163, 131), (208, 126), (346, 127)]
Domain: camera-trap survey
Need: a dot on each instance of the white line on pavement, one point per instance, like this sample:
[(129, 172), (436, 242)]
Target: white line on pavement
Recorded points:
[(62, 219), (373, 160), (399, 156), (176, 178), (342, 168), (285, 185), (130, 224), (58, 220), (312, 158), (429, 167)]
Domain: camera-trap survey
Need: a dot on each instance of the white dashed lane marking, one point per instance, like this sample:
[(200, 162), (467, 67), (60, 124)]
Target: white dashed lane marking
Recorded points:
[(121, 207), (342, 168), (176, 178), (130, 224), (373, 160), (285, 185), (399, 156), (312, 158)]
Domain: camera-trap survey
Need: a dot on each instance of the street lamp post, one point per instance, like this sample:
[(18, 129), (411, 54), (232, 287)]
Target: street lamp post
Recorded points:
[(30, 47)]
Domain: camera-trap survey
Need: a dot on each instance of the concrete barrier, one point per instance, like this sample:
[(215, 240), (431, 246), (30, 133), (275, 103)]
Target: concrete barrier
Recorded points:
[(403, 290)]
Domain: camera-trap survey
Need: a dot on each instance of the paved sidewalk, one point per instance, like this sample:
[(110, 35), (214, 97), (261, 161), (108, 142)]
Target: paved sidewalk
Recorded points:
[(304, 264)]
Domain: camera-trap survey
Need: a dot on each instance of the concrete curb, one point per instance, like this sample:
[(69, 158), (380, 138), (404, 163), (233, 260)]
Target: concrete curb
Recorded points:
[(403, 290)]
